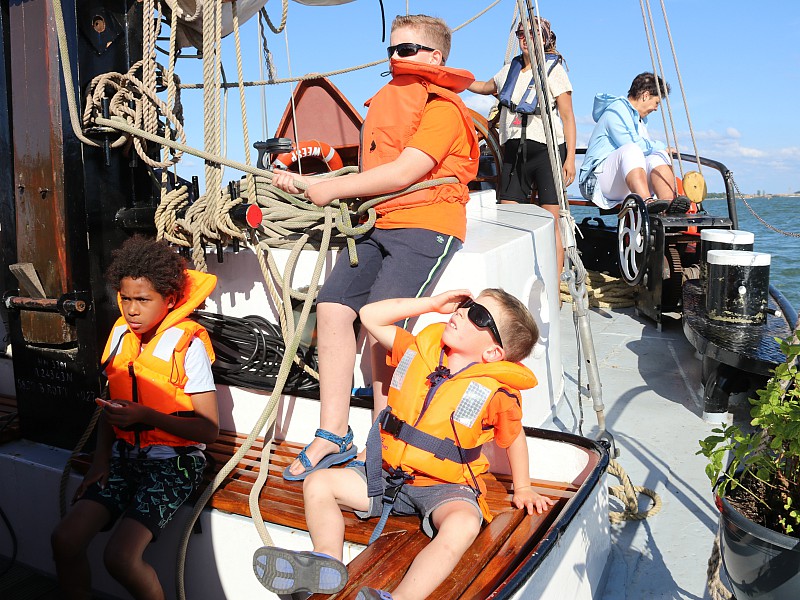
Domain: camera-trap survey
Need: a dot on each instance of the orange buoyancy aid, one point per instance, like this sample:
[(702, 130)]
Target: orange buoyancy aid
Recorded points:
[(394, 115), (427, 402), (155, 375)]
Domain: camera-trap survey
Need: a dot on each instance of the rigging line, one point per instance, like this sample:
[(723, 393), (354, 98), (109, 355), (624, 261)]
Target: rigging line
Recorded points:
[(535, 43), (665, 115), (680, 84), (666, 96), (480, 14), (284, 14), (292, 100), (273, 81), (262, 50)]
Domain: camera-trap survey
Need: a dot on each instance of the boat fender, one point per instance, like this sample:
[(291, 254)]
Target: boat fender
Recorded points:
[(307, 149)]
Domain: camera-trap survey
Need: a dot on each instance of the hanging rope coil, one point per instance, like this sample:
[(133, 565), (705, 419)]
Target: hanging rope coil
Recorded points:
[(128, 99)]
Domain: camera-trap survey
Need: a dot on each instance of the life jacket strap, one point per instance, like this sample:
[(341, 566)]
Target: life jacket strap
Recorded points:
[(443, 449)]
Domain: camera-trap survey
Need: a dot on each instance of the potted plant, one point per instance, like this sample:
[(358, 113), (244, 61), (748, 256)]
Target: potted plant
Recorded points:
[(758, 491)]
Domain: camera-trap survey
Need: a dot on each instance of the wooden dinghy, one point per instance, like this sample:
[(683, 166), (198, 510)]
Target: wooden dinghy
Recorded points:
[(499, 564)]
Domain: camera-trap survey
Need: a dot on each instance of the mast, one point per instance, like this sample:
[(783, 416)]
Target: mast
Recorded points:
[(59, 212)]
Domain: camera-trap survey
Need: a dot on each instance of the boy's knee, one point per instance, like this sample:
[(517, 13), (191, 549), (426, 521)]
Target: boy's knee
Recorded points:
[(316, 482)]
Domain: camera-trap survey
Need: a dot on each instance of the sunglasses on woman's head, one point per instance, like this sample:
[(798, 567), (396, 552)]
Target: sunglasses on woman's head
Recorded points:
[(406, 49), (481, 317)]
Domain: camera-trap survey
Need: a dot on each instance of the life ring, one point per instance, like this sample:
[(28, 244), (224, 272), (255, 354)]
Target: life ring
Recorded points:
[(309, 149)]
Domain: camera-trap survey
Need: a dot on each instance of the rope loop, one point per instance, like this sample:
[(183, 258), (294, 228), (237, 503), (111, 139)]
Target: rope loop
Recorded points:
[(627, 492)]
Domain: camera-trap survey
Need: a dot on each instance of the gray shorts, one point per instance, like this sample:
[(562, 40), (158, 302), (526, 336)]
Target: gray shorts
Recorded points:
[(419, 500), (392, 263)]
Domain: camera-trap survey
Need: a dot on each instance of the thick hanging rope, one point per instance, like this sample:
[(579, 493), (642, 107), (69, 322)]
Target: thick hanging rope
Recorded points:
[(716, 589)]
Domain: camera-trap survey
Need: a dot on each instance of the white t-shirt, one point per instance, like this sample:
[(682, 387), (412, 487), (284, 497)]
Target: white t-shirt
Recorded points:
[(510, 125), (199, 378)]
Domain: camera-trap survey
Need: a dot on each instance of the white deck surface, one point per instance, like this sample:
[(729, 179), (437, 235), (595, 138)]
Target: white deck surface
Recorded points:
[(653, 406)]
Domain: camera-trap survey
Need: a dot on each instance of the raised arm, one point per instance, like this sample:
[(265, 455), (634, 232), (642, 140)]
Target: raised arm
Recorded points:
[(483, 87), (379, 317)]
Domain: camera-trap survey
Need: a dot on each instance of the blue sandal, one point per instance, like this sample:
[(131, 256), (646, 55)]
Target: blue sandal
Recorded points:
[(285, 571), (330, 460), (368, 593)]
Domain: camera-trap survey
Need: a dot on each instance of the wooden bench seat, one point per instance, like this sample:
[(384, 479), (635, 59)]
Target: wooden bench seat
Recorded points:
[(498, 550)]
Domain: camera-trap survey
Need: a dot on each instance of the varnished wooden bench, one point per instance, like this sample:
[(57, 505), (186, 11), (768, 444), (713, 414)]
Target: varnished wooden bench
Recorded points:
[(496, 552)]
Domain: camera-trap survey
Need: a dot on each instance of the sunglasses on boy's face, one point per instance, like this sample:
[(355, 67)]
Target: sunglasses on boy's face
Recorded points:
[(407, 49), (481, 317)]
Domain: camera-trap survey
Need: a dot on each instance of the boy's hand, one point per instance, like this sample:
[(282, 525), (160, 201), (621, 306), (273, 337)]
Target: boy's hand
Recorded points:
[(285, 180), (97, 472), (122, 413), (526, 498), (447, 302)]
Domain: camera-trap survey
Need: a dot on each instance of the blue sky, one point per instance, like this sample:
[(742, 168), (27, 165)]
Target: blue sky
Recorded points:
[(740, 65)]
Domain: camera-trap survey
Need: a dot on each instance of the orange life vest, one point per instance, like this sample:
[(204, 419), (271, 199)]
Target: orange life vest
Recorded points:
[(394, 115), (428, 404), (157, 372)]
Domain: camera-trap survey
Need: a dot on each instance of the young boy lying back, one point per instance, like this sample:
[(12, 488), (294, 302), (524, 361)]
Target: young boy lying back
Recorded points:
[(455, 387)]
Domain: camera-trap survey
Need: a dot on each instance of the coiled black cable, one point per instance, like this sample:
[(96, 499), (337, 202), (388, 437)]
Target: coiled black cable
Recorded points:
[(249, 353)]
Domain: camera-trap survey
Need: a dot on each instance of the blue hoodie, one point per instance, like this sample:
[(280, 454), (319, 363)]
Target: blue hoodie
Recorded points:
[(617, 125)]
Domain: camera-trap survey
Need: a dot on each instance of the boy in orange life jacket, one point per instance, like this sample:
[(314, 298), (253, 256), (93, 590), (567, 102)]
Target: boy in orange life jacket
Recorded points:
[(417, 129), (455, 387), (151, 434)]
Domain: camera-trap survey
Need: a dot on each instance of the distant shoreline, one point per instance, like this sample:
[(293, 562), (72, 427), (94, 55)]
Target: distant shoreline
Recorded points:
[(720, 196)]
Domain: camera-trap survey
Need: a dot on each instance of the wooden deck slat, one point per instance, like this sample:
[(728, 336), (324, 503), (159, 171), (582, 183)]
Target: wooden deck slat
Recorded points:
[(520, 543)]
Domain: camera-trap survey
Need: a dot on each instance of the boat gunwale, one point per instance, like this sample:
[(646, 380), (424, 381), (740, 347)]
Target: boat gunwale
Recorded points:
[(512, 584)]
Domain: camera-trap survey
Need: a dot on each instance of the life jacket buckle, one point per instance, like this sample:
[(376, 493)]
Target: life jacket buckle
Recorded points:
[(392, 424), (395, 481)]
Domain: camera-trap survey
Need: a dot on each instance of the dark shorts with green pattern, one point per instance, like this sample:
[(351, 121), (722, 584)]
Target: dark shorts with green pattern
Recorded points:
[(148, 491)]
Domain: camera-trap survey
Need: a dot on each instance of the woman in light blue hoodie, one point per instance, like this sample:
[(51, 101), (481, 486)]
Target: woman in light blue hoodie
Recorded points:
[(622, 159)]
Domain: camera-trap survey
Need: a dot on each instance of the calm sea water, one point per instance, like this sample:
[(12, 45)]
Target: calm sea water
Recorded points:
[(782, 213)]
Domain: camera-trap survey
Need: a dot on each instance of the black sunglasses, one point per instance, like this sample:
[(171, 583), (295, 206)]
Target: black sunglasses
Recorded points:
[(406, 49), (481, 317)]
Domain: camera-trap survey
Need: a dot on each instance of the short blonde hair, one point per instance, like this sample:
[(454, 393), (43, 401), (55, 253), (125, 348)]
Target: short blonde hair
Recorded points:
[(517, 327), (434, 31)]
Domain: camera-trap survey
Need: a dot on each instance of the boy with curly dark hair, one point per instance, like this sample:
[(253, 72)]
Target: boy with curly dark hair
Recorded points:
[(152, 432)]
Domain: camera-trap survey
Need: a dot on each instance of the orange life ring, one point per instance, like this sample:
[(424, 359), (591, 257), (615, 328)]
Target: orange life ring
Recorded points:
[(309, 149)]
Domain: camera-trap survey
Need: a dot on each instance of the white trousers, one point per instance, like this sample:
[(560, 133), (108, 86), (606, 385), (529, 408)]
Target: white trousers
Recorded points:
[(611, 173)]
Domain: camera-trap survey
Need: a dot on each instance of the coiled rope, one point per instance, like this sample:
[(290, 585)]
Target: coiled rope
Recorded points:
[(604, 291)]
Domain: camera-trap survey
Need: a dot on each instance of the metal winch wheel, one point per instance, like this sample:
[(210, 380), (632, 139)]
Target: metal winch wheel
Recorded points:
[(633, 239)]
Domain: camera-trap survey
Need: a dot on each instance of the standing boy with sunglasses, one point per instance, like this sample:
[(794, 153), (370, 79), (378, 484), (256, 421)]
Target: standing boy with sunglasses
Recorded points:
[(455, 387), (417, 130)]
